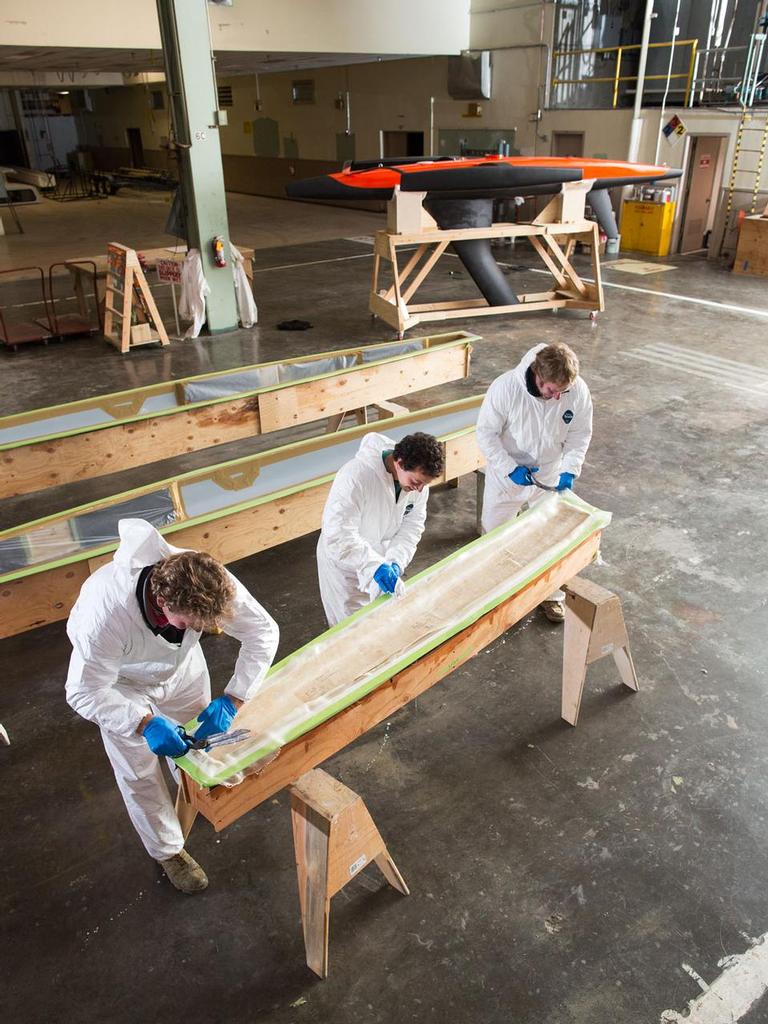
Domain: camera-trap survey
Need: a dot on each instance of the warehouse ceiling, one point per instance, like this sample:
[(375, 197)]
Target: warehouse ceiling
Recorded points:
[(70, 61)]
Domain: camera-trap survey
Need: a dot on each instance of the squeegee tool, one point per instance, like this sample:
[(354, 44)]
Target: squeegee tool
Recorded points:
[(216, 739), (543, 487)]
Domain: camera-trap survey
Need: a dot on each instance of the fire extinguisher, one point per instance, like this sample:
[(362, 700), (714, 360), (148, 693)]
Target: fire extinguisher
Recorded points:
[(218, 251)]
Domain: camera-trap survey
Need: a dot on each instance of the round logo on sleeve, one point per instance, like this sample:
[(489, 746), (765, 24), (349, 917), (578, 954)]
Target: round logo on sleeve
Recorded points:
[(568, 415)]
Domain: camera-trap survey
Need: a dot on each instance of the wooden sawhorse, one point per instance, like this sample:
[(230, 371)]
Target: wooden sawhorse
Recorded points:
[(594, 628), (334, 837)]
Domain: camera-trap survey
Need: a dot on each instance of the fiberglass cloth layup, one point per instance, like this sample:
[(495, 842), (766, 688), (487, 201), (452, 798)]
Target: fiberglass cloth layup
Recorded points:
[(350, 660)]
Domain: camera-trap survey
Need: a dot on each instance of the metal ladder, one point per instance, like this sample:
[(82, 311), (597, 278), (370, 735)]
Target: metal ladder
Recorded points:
[(748, 123), (748, 128)]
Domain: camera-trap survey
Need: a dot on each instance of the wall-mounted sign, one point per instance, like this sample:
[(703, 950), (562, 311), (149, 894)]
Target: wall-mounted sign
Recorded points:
[(168, 271), (674, 129)]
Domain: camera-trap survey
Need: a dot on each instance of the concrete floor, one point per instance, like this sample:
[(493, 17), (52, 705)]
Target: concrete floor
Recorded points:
[(56, 231), (557, 874)]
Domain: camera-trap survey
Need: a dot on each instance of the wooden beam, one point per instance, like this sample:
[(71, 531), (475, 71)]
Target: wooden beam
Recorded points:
[(222, 806)]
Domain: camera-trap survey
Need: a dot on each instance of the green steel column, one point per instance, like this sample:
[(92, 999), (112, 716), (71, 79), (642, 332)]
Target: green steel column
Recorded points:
[(194, 108)]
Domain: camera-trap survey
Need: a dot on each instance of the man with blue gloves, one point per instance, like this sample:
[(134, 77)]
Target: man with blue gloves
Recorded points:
[(535, 420), (137, 670), (373, 520)]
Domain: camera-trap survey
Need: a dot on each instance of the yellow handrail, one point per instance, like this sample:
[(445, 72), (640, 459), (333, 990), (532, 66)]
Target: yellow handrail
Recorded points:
[(617, 77)]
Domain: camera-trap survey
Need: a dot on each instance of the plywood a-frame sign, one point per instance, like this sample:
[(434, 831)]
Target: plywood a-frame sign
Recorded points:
[(130, 314)]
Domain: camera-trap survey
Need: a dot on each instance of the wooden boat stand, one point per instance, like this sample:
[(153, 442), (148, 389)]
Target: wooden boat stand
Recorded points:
[(553, 234), (324, 850)]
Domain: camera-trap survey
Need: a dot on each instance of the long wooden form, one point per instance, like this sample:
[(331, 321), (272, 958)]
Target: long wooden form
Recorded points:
[(89, 438), (223, 805), (55, 555), (553, 235)]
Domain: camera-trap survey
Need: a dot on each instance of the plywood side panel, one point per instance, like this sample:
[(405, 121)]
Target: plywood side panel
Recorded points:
[(327, 397), (33, 601), (125, 446)]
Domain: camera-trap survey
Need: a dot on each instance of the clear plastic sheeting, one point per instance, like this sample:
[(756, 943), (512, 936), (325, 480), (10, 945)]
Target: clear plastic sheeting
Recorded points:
[(400, 348), (49, 543), (100, 525), (41, 544), (80, 419), (290, 372), (231, 384), (350, 660)]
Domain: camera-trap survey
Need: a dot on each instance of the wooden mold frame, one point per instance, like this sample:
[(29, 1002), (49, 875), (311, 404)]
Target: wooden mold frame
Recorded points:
[(553, 234), (36, 594), (222, 806), (134, 438)]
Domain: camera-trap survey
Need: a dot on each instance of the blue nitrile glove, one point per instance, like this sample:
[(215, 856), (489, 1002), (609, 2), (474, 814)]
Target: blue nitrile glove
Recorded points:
[(163, 737), (217, 717), (565, 483), (387, 576), (521, 475)]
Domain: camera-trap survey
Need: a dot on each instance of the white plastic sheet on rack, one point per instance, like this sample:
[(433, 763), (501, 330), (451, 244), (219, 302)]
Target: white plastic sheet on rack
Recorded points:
[(246, 307), (344, 663), (194, 289)]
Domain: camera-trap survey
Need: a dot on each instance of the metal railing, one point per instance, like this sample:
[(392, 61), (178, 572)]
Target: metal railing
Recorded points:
[(617, 78), (730, 74)]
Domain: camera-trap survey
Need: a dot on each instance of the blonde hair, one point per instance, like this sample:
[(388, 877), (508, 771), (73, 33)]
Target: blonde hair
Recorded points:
[(194, 583), (557, 364)]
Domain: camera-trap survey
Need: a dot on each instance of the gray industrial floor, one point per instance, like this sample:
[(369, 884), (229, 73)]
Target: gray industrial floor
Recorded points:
[(558, 875)]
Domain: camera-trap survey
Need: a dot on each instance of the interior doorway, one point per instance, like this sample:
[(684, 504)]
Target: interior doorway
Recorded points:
[(702, 185), (394, 144), (12, 148), (136, 146), (568, 144)]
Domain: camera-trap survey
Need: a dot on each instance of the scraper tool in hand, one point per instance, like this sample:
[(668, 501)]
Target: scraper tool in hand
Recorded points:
[(217, 739)]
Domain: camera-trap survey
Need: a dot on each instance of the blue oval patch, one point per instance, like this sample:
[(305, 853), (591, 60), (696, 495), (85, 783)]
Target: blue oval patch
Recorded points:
[(568, 415)]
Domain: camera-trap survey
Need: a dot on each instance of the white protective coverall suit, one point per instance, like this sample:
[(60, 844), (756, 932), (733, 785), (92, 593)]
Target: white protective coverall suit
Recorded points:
[(515, 428), (120, 671), (364, 526)]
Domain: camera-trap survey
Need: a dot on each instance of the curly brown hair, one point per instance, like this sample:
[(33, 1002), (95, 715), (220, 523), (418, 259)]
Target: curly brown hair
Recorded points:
[(193, 583), (420, 451)]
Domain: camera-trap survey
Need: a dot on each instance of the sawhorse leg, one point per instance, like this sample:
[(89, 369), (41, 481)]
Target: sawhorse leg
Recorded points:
[(334, 838), (185, 812), (594, 627)]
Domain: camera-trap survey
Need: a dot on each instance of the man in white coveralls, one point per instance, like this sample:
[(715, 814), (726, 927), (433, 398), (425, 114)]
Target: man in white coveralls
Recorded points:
[(373, 520), (535, 419), (137, 670)]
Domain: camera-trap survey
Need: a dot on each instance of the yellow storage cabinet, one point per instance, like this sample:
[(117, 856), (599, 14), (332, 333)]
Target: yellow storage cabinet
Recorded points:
[(647, 227)]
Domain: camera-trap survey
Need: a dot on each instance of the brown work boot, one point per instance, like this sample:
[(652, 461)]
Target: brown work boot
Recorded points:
[(185, 873), (554, 610)]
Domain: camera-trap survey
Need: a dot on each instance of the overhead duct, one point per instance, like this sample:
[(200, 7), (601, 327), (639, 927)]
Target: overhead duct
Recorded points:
[(469, 76)]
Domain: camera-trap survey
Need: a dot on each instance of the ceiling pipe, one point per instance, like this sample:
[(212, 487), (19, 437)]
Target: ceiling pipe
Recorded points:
[(637, 121)]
